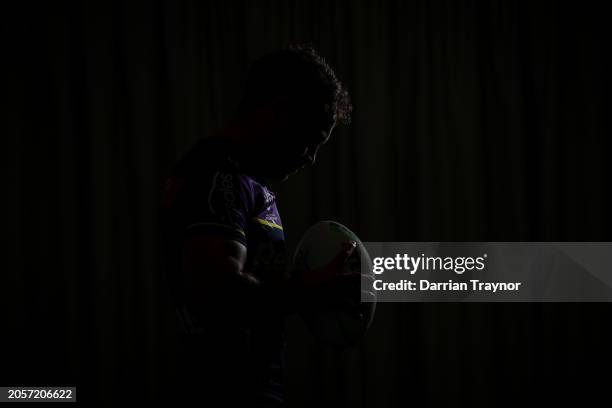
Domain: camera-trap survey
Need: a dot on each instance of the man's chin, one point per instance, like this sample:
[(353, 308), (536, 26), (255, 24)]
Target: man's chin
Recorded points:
[(283, 175), (275, 178), (278, 174)]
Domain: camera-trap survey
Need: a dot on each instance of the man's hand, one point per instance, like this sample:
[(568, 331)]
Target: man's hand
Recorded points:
[(334, 272), (331, 284)]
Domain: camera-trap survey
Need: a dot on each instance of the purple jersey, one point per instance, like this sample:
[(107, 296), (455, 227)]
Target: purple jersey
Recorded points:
[(207, 190)]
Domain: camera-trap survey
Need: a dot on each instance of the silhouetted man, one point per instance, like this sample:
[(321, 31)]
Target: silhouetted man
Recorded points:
[(223, 234)]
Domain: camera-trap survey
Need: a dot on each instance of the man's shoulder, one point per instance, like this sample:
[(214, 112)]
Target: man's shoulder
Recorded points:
[(209, 169), (205, 157)]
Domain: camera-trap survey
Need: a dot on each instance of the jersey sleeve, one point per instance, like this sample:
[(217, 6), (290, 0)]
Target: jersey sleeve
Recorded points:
[(221, 203)]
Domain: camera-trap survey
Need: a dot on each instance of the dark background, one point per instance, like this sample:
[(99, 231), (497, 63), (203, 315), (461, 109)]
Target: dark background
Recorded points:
[(473, 120)]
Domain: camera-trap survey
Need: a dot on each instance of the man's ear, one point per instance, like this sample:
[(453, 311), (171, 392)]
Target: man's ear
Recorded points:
[(282, 108), (273, 113)]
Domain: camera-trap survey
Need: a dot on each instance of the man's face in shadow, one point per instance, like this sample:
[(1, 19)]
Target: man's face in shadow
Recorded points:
[(295, 133)]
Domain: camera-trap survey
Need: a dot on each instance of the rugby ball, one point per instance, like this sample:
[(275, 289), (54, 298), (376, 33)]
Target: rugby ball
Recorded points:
[(343, 322)]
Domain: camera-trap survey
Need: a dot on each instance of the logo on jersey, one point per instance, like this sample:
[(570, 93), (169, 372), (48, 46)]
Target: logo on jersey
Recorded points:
[(222, 196), (273, 218), (268, 197)]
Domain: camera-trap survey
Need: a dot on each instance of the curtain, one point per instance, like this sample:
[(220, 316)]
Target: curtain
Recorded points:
[(473, 121)]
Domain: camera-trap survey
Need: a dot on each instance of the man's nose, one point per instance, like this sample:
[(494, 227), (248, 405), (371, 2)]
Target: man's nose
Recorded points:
[(312, 155), (311, 158), (308, 160)]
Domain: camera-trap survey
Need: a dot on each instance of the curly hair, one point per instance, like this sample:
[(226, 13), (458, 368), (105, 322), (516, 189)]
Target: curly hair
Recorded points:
[(297, 71)]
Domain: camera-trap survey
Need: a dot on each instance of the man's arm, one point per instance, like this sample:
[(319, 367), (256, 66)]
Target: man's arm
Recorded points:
[(216, 278), (213, 269)]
